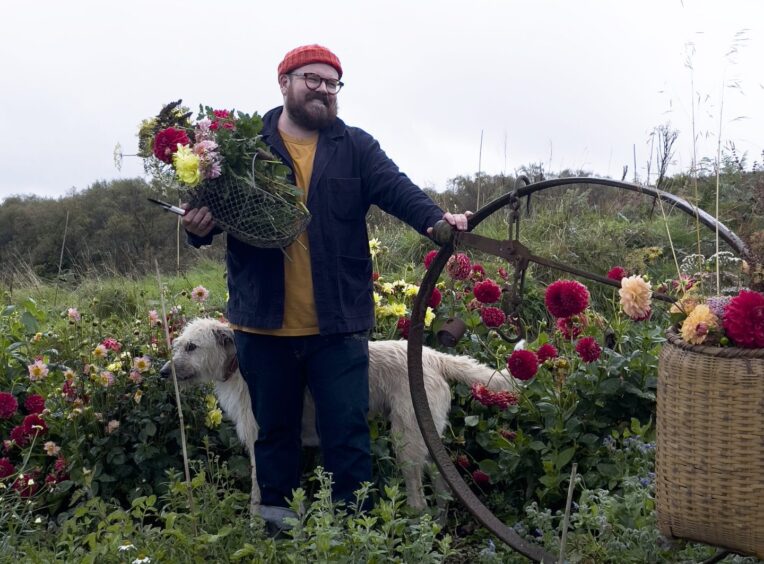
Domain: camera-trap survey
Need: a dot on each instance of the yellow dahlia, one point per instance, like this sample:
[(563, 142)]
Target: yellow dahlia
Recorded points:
[(685, 305), (187, 165), (636, 296), (697, 325)]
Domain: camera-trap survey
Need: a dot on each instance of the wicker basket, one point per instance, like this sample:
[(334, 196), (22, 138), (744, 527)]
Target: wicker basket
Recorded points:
[(710, 445)]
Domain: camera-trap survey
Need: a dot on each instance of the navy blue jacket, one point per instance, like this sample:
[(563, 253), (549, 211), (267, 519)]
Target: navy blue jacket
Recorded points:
[(350, 173)]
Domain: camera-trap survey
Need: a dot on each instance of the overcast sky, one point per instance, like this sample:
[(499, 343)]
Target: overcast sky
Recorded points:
[(568, 83)]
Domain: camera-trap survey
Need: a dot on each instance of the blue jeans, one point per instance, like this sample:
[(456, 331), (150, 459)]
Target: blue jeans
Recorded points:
[(336, 370)]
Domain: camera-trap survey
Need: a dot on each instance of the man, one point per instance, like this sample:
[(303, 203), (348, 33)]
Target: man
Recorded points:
[(305, 320)]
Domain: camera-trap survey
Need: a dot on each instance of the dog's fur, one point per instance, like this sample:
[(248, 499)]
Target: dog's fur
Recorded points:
[(205, 351)]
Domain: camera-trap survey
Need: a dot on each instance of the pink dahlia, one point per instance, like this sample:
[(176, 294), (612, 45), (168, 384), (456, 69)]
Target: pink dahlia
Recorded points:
[(6, 468), (492, 317), (588, 349), (503, 273), (435, 298), (546, 351), (565, 298), (503, 399), (166, 143), (616, 273), (34, 403), (112, 344), (458, 266), (523, 364), (480, 393), (744, 319), (404, 326), (487, 291), (429, 257), (8, 405)]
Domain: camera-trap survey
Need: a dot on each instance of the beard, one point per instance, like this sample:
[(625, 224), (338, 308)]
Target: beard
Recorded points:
[(316, 111)]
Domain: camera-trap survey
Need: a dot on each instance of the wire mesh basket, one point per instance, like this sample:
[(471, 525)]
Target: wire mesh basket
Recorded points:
[(253, 215), (710, 445)]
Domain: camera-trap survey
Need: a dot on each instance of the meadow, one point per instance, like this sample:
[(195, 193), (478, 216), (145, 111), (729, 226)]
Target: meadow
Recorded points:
[(92, 464)]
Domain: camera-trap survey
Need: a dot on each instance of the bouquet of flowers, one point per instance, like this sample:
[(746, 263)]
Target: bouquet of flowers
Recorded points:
[(220, 161)]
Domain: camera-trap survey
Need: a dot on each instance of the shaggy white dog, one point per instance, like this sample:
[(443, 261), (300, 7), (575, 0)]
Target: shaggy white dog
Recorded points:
[(205, 352)]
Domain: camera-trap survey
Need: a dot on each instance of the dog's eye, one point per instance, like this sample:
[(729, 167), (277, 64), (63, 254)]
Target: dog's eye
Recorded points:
[(190, 347)]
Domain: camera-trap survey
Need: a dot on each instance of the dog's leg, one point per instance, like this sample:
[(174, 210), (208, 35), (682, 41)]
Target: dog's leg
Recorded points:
[(254, 498), (411, 453)]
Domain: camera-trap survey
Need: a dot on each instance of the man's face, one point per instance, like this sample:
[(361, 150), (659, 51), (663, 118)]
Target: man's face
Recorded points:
[(310, 109)]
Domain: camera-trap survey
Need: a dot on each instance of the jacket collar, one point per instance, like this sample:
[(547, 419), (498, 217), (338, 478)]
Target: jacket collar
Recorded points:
[(327, 143)]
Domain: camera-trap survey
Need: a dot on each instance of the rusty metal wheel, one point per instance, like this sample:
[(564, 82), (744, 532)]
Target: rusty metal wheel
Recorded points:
[(520, 257)]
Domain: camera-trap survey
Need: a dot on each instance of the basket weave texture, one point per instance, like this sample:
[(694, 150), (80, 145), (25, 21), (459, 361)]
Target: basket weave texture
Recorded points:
[(251, 214), (710, 445)]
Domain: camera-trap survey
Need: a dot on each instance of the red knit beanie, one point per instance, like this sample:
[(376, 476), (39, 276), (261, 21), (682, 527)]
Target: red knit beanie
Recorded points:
[(306, 55)]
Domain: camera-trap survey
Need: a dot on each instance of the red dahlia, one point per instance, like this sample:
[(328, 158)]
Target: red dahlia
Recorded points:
[(429, 257), (588, 349), (503, 272), (27, 483), (546, 351), (8, 405), (34, 403), (504, 399), (20, 435), (487, 291), (404, 326), (492, 316), (744, 319), (166, 143), (463, 461), (435, 298), (458, 266), (617, 272), (564, 298), (523, 364)]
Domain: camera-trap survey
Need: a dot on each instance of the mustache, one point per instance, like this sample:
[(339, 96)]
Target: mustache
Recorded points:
[(319, 96)]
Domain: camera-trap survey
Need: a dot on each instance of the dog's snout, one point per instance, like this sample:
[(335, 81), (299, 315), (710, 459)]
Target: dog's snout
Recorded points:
[(166, 370)]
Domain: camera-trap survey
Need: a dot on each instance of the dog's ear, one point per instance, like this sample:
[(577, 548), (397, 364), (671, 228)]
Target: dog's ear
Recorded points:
[(224, 337)]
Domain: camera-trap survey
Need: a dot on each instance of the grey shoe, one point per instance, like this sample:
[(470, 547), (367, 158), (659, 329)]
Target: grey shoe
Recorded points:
[(274, 516)]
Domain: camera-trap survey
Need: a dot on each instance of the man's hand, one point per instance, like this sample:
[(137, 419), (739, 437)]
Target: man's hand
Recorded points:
[(457, 220), (198, 221)]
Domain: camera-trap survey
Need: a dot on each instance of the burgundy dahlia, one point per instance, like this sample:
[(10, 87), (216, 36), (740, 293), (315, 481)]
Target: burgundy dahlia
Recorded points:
[(404, 326), (744, 319), (463, 461), (6, 468), (458, 266), (8, 405), (523, 364), (34, 403), (481, 478), (492, 317), (487, 291), (565, 298), (588, 349), (546, 351), (571, 327), (435, 298), (34, 424), (478, 272), (20, 435)]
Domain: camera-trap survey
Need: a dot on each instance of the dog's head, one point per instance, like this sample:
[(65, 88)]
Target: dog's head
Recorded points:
[(204, 352)]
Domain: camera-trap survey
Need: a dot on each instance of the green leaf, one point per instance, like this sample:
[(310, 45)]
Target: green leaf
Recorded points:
[(564, 457)]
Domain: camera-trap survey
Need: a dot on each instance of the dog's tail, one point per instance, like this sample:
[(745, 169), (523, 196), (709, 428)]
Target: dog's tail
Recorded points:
[(469, 371)]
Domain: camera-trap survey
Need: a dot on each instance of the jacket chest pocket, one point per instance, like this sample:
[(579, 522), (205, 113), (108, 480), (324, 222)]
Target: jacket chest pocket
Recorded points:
[(346, 201)]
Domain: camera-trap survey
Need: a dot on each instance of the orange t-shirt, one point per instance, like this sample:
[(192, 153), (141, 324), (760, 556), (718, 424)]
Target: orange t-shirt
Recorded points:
[(300, 317)]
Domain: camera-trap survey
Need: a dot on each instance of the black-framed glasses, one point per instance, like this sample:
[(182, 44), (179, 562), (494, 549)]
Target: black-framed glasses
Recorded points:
[(313, 82)]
